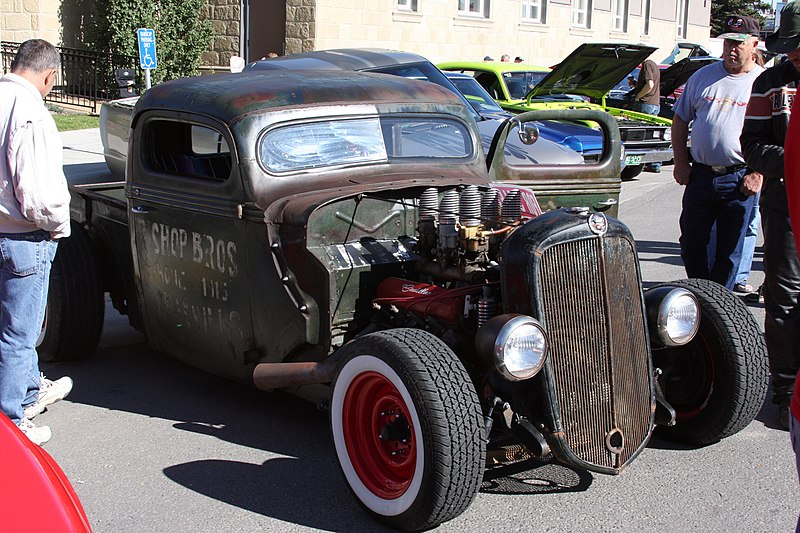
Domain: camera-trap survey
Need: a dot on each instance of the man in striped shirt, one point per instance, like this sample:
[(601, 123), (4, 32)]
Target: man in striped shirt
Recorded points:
[(762, 139)]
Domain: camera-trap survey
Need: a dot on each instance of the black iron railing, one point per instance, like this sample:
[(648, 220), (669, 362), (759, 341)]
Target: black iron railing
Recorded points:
[(86, 77)]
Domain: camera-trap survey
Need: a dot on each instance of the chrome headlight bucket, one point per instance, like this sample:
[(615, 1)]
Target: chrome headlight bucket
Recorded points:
[(515, 344), (673, 315)]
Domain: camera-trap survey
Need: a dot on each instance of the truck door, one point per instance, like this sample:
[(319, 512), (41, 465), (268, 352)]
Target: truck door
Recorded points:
[(185, 202)]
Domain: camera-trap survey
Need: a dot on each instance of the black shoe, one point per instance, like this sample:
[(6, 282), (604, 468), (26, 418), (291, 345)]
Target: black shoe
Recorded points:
[(783, 415), (783, 401)]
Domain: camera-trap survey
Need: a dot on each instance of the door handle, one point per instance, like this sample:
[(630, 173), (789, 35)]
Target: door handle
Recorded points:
[(139, 210), (604, 205)]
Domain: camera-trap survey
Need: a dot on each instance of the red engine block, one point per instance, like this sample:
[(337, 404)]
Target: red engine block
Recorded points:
[(423, 299)]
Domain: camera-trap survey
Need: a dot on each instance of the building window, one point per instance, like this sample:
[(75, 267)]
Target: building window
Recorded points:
[(474, 8), (582, 13), (619, 15), (534, 11), (683, 17), (646, 23), (407, 5)]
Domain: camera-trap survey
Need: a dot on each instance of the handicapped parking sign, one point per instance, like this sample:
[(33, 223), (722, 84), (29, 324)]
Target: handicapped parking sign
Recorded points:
[(147, 48)]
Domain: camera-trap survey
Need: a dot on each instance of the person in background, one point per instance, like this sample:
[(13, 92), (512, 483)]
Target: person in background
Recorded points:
[(505, 58), (719, 188), (488, 58), (647, 97), (518, 60), (762, 139), (34, 215)]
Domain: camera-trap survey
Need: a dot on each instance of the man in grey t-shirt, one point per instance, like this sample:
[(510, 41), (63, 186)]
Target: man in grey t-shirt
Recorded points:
[(719, 190)]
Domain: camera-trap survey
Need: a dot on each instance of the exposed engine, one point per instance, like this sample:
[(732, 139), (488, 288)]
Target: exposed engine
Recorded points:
[(459, 235)]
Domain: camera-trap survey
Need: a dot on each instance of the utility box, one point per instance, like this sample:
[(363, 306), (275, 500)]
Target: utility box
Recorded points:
[(126, 82)]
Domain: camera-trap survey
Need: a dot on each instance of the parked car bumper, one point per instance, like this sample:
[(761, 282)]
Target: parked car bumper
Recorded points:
[(635, 156)]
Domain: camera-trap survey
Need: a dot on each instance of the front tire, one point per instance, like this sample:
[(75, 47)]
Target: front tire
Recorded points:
[(75, 308), (717, 382), (631, 171), (408, 429)]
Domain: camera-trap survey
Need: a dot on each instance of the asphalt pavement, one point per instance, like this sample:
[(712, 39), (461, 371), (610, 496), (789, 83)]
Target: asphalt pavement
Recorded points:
[(152, 445)]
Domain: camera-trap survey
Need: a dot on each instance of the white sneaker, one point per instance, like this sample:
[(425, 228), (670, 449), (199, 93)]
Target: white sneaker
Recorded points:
[(37, 434), (49, 393)]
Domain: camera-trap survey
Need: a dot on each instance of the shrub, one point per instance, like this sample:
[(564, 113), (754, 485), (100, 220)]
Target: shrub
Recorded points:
[(181, 34)]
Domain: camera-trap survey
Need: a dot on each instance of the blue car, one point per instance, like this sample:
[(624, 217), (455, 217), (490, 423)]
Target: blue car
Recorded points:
[(577, 137)]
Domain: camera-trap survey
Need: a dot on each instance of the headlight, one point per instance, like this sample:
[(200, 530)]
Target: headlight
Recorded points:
[(657, 134), (673, 315), (668, 134), (515, 344)]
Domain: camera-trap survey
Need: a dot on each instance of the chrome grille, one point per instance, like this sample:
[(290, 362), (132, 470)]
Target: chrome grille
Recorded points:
[(592, 308)]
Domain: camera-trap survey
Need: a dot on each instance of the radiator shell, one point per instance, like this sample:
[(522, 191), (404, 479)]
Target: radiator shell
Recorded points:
[(594, 398)]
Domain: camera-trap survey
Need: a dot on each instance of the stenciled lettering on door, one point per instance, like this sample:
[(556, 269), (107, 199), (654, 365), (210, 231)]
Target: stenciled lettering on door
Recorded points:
[(195, 273)]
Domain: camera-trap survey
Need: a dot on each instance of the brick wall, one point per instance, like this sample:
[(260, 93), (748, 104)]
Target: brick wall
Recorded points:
[(225, 17), (21, 20), (301, 25), (438, 32)]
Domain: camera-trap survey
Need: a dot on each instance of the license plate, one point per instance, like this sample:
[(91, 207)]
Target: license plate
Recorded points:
[(633, 159)]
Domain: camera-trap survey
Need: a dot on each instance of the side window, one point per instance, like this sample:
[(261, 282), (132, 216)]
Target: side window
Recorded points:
[(489, 82), (188, 150)]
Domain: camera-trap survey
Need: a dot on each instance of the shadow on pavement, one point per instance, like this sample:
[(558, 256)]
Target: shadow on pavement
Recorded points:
[(535, 476), (303, 487)]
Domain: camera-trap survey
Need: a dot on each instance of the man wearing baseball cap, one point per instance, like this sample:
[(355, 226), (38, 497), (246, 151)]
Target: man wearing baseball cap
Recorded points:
[(714, 101), (762, 141)]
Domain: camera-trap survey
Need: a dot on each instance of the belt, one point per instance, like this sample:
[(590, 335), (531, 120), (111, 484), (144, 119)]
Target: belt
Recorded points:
[(720, 170)]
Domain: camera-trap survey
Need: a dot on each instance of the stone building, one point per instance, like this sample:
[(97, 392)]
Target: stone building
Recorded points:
[(541, 31)]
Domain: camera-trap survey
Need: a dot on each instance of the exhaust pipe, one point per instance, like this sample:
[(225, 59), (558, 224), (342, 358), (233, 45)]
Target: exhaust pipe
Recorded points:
[(269, 376)]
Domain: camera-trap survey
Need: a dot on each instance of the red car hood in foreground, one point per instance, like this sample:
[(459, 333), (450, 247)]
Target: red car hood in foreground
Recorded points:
[(35, 493)]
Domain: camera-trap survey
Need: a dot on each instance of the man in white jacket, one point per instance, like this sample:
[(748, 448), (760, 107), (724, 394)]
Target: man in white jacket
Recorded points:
[(34, 214)]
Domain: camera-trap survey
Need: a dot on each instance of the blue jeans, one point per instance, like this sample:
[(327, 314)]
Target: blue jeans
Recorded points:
[(749, 247), (650, 109), (709, 198), (25, 261)]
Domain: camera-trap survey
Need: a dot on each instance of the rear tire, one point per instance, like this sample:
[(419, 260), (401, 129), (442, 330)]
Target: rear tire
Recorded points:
[(408, 429), (717, 382), (75, 307)]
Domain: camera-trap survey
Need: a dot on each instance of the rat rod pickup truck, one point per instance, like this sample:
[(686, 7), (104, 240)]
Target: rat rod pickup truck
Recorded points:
[(341, 236)]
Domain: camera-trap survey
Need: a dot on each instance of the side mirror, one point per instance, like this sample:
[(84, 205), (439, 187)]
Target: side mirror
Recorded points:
[(528, 132)]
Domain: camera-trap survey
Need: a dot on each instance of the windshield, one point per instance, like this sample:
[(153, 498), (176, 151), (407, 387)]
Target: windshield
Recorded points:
[(297, 147), (476, 95), (519, 84)]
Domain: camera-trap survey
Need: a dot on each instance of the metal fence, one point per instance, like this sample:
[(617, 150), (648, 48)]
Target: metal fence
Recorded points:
[(86, 77)]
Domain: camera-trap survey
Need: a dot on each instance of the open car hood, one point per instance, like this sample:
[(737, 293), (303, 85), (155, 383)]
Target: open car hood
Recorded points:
[(679, 73), (592, 70)]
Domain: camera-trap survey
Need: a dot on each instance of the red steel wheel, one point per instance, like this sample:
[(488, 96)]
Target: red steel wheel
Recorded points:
[(407, 427), (379, 435)]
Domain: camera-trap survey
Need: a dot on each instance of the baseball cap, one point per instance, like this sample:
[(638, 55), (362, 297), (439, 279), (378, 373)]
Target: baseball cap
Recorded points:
[(739, 28), (787, 38)]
